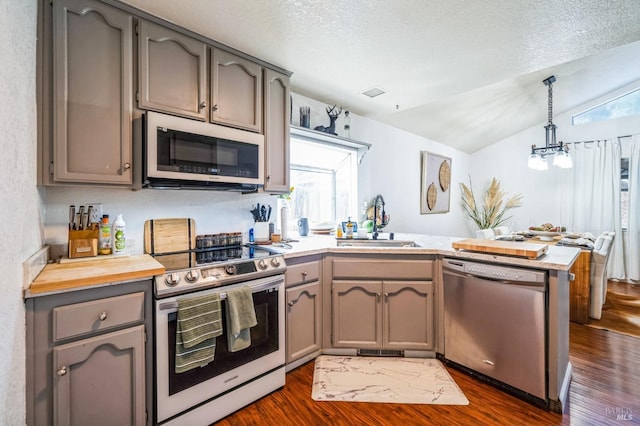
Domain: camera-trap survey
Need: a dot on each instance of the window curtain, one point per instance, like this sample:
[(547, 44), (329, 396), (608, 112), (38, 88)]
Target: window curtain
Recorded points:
[(593, 195), (632, 243)]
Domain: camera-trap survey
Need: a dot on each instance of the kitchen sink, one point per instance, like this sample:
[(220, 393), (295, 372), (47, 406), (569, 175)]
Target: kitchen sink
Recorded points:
[(376, 243)]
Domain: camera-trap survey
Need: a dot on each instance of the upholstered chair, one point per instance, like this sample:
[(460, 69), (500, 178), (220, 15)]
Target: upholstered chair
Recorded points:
[(599, 257)]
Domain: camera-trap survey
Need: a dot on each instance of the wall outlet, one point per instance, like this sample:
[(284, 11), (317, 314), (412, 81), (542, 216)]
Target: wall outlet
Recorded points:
[(33, 266)]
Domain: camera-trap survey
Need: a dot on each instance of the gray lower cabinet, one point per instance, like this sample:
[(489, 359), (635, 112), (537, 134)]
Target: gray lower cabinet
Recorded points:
[(382, 302), (304, 320), (87, 353), (172, 74), (383, 315), (303, 281), (86, 81), (277, 102)]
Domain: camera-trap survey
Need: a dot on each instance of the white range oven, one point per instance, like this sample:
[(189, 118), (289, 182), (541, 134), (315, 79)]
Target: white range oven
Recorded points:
[(233, 379)]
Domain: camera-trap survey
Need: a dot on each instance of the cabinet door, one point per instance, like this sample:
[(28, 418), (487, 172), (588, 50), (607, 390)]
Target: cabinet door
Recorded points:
[(357, 314), (171, 72), (236, 91), (304, 319), (92, 93), (100, 380), (408, 315), (277, 105)]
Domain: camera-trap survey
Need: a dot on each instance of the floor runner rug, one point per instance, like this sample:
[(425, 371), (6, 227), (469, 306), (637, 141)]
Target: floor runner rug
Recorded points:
[(384, 379)]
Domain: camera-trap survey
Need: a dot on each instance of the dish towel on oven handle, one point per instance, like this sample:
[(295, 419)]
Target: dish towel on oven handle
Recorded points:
[(240, 316), (199, 323)]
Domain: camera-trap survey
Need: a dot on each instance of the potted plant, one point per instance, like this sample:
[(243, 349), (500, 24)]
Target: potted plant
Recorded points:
[(493, 209)]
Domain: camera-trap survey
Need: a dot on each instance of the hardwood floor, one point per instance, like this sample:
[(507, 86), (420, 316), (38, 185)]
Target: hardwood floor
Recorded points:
[(605, 390)]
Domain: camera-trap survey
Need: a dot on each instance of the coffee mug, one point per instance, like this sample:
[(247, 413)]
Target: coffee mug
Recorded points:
[(303, 226)]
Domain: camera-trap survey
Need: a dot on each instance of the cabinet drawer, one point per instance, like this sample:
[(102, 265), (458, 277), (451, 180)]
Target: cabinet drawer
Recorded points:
[(302, 273), (383, 268), (97, 315)]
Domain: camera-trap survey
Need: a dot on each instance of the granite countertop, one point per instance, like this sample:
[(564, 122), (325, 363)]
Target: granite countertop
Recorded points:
[(556, 258)]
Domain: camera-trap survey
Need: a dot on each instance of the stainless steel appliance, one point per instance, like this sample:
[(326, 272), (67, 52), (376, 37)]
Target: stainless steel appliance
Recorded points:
[(182, 153), (233, 379), (494, 323)]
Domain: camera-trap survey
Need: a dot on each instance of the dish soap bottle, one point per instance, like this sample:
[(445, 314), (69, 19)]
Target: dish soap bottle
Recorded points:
[(119, 228), (348, 233), (104, 238)]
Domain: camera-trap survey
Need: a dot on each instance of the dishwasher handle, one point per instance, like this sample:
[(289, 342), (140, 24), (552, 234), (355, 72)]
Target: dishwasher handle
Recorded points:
[(536, 286)]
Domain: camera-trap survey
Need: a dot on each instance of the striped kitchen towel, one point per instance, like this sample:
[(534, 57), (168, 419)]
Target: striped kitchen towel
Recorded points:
[(199, 323)]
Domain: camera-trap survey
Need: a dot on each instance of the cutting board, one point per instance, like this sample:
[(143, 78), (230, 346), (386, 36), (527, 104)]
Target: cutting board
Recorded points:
[(169, 235), (509, 248)]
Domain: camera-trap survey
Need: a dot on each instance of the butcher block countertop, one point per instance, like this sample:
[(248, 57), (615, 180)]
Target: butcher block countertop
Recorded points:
[(56, 277), (509, 248)]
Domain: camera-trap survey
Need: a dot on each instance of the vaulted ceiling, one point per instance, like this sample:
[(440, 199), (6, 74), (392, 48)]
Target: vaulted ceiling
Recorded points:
[(465, 73)]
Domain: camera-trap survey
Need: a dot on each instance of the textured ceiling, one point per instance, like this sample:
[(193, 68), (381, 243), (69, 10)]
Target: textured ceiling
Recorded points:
[(465, 73)]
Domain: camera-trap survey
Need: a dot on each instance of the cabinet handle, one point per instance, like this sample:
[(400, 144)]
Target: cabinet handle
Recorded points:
[(268, 178), (203, 105), (378, 296), (304, 274), (214, 108), (290, 303), (386, 295), (102, 316), (62, 371), (127, 166)]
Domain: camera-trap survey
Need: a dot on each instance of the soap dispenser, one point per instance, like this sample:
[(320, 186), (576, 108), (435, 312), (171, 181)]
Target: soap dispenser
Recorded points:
[(348, 233)]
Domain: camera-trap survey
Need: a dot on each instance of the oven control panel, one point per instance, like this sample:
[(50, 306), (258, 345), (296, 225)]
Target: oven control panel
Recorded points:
[(215, 275)]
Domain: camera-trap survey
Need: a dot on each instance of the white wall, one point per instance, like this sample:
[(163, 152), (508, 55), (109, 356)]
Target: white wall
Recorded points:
[(392, 168), (20, 207), (507, 161)]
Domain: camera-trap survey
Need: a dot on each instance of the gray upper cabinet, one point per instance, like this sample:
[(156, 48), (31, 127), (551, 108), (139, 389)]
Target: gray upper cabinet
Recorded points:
[(92, 92), (277, 103), (171, 72), (236, 91)]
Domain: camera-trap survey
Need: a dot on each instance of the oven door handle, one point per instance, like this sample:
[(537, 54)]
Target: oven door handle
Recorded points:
[(223, 295)]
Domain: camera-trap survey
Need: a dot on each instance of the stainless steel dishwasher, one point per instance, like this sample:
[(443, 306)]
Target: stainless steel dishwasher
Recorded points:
[(494, 322)]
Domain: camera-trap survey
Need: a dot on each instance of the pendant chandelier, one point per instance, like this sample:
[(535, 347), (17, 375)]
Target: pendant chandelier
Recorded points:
[(560, 151)]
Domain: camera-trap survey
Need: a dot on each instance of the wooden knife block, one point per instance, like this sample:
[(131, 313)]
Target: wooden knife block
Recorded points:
[(83, 243)]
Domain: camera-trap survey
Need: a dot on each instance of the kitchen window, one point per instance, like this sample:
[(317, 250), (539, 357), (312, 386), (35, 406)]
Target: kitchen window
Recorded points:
[(622, 106), (324, 174)]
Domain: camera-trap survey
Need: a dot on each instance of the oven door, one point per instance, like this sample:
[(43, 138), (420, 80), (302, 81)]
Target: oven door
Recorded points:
[(176, 393)]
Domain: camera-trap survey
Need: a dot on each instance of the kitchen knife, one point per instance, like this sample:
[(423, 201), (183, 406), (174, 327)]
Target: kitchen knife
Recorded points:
[(80, 217), (269, 213), (89, 213), (72, 216)]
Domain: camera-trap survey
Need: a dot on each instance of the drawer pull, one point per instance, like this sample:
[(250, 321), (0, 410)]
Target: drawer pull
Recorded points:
[(304, 274), (290, 303), (102, 316), (62, 371)]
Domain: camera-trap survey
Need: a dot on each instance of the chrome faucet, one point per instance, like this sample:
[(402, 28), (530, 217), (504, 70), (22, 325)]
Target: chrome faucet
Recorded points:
[(375, 215)]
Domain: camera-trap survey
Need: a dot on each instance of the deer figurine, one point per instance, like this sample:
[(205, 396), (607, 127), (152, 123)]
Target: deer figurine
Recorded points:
[(333, 116)]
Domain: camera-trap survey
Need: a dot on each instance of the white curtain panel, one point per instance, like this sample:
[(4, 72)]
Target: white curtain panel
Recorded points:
[(632, 246), (593, 198)]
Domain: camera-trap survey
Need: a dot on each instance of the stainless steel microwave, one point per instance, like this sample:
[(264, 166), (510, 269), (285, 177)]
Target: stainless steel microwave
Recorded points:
[(182, 153)]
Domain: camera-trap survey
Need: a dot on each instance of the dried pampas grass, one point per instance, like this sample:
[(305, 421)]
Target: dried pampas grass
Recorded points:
[(493, 205)]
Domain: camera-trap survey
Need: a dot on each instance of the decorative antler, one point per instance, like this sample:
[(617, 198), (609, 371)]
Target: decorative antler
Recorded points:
[(333, 116), (331, 113)]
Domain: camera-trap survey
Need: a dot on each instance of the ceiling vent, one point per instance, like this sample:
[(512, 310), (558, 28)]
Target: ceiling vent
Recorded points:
[(373, 92)]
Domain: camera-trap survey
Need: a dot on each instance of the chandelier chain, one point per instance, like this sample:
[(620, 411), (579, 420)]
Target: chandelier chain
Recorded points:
[(550, 103)]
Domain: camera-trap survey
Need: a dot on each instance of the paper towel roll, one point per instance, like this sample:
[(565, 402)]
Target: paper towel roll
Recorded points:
[(284, 213)]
